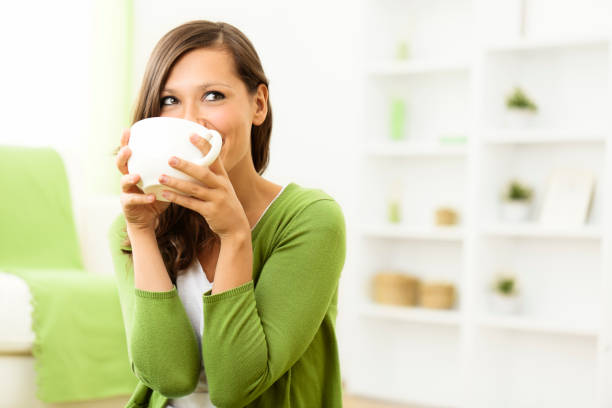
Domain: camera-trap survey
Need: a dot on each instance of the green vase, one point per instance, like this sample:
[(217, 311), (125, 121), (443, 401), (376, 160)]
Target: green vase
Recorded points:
[(398, 118), (402, 52), (394, 212)]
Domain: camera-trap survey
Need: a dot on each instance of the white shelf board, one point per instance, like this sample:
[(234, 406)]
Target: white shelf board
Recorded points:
[(411, 314), (10, 345), (399, 231), (414, 149), (410, 67), (523, 323), (542, 136), (528, 44), (395, 401), (534, 230)]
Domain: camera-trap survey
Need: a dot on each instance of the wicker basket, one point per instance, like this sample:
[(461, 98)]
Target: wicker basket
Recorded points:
[(446, 216), (395, 288), (437, 295)]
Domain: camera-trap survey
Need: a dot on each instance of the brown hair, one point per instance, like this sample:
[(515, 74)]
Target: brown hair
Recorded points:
[(181, 233)]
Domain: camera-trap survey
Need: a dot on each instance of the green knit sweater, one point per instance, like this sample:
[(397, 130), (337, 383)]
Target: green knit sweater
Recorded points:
[(268, 343)]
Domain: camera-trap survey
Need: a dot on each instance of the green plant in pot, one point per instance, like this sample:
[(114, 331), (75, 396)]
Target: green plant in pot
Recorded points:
[(521, 109), (516, 202), (505, 297)]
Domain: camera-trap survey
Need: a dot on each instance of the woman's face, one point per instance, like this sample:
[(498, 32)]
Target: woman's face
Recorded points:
[(203, 87)]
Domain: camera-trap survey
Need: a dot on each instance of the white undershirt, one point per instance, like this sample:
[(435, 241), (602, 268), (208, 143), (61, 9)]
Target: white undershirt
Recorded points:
[(191, 284)]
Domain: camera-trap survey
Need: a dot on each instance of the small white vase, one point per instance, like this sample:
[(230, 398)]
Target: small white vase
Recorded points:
[(515, 211), (504, 304), (519, 118)]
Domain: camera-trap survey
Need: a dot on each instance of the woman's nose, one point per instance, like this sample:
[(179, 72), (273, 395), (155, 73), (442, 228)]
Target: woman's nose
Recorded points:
[(191, 115), (194, 116)]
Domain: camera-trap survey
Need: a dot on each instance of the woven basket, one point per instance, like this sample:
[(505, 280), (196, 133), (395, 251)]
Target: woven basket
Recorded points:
[(446, 216), (437, 295), (395, 288)]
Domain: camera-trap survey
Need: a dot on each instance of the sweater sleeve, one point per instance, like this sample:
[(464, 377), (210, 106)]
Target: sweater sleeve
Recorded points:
[(253, 335), (162, 348)]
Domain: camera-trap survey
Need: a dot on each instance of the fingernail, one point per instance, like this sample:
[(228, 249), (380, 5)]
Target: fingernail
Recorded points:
[(194, 138), (174, 161), (163, 179)]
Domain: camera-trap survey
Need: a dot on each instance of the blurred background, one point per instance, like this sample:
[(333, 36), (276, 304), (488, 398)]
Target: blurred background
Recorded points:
[(466, 141)]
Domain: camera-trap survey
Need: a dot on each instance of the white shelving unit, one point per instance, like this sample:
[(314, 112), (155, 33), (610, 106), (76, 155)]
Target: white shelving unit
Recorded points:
[(413, 150), (548, 137), (417, 67), (465, 56), (423, 233), (559, 42), (411, 315), (539, 325), (529, 230)]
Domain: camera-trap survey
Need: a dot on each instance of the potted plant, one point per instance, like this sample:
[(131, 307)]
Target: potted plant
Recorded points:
[(505, 297), (516, 202), (521, 108)]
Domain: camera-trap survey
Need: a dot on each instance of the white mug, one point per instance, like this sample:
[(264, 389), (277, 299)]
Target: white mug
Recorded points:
[(154, 140)]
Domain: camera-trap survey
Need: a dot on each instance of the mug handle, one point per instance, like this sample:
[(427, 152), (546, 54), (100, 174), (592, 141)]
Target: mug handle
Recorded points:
[(214, 138)]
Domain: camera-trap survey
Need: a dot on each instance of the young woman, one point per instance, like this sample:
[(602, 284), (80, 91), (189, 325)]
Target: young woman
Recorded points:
[(228, 291)]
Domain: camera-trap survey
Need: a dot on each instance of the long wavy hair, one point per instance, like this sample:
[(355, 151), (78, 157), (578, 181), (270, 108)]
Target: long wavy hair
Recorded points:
[(182, 233)]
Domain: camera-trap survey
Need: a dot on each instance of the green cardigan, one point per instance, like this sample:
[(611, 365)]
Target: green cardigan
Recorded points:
[(268, 343)]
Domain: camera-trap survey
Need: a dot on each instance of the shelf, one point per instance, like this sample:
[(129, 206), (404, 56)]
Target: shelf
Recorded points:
[(464, 58), (413, 149), (17, 345), (534, 230), (411, 67), (522, 323), (419, 233), (542, 136), (411, 314), (546, 43), (374, 399)]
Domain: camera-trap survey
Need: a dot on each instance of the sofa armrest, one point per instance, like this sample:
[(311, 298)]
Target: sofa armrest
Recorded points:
[(16, 335)]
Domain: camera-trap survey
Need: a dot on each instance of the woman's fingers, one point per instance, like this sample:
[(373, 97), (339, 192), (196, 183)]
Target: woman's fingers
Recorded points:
[(188, 188), (132, 199), (124, 152), (125, 137), (201, 173), (128, 183), (122, 159)]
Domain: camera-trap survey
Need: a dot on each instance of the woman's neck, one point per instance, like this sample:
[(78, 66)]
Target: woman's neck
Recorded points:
[(253, 191)]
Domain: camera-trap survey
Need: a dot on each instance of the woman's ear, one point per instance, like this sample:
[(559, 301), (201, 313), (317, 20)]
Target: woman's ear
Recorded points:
[(261, 104)]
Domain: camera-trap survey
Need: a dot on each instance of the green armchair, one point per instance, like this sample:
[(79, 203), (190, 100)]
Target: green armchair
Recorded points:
[(68, 320)]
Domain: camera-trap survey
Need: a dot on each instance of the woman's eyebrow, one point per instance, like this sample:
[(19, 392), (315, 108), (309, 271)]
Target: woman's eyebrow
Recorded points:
[(202, 86)]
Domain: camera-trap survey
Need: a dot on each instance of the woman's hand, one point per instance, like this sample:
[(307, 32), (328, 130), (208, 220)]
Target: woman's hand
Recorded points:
[(215, 199), (141, 210)]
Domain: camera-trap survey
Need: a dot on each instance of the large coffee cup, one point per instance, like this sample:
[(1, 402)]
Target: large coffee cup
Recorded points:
[(153, 141)]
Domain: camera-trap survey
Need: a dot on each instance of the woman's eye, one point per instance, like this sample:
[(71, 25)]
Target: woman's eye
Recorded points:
[(167, 98), (210, 96)]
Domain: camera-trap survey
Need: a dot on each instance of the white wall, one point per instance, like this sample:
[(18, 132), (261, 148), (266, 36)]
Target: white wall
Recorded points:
[(45, 74)]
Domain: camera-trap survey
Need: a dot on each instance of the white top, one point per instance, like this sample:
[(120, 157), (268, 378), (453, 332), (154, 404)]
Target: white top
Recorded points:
[(191, 284)]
